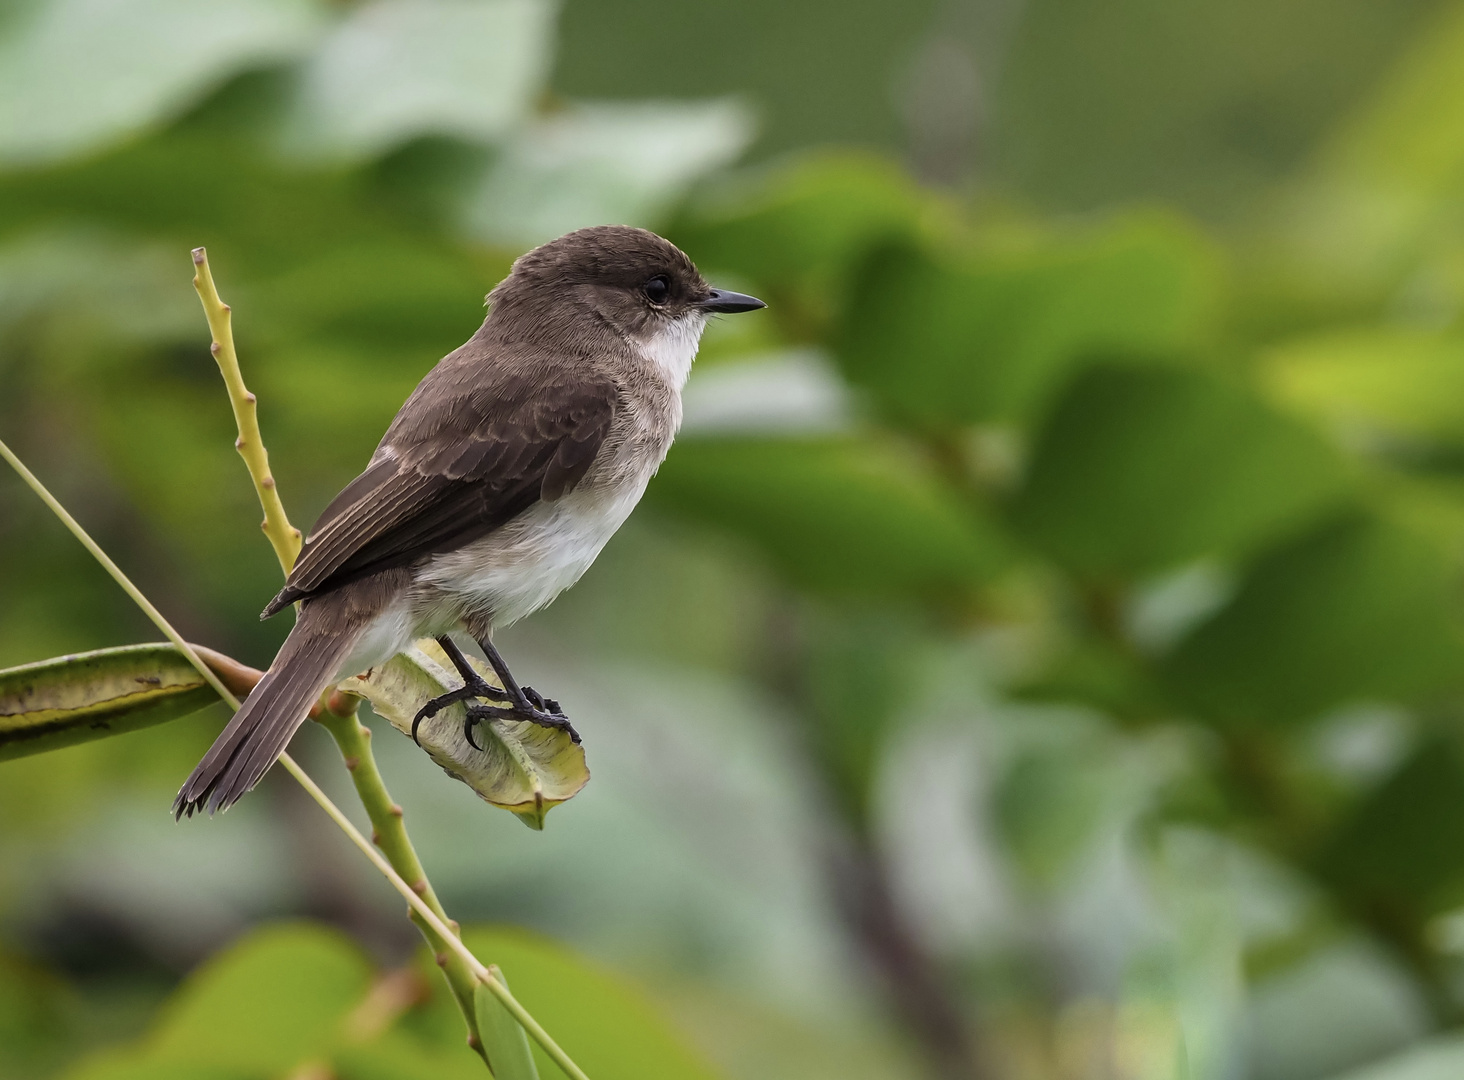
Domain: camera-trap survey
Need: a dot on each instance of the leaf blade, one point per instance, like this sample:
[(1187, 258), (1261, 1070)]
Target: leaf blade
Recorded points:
[(504, 1040), (523, 768)]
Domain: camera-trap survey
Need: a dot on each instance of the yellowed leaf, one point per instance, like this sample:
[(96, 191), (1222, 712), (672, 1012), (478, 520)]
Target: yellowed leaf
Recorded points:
[(522, 767)]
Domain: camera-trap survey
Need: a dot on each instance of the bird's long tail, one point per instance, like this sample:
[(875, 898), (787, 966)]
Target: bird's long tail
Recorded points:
[(261, 729)]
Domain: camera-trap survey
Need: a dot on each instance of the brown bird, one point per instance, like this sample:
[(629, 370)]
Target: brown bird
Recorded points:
[(502, 477)]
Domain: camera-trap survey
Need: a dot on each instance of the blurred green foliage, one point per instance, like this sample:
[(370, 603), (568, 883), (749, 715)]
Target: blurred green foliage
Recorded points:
[(292, 997), (1151, 520)]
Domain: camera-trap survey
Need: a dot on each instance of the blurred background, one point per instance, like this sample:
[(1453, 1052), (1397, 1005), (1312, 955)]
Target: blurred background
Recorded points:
[(1040, 658)]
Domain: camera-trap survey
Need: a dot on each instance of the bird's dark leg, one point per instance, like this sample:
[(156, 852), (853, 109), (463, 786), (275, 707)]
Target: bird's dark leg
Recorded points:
[(525, 703), (474, 686)]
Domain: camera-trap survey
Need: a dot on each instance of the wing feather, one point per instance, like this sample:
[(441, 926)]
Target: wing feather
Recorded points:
[(448, 477)]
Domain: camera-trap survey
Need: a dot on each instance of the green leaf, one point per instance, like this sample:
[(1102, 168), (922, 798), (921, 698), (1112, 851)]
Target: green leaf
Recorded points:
[(944, 340), (1358, 609), (1376, 384), (840, 515), (75, 74), (75, 699), (798, 231), (397, 1055), (522, 767), (1139, 469), (1434, 1059), (272, 1000), (1400, 852), (1047, 806), (395, 69), (127, 1065), (1385, 188), (604, 1023), (504, 1040), (597, 163)]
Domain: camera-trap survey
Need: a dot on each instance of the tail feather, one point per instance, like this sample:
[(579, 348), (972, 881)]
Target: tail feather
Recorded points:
[(269, 717)]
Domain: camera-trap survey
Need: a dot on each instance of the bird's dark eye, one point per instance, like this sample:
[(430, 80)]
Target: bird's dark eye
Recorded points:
[(657, 289)]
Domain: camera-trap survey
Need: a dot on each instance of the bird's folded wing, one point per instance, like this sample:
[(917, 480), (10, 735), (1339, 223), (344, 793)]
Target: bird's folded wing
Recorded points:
[(486, 455)]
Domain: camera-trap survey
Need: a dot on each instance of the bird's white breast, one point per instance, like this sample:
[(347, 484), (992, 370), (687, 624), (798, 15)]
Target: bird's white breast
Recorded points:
[(521, 567)]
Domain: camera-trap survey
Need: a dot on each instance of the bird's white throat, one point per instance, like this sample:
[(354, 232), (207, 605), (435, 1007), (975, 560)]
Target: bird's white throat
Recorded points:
[(672, 349)]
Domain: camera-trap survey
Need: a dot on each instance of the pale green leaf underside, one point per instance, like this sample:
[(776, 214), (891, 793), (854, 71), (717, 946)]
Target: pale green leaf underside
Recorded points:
[(522, 767)]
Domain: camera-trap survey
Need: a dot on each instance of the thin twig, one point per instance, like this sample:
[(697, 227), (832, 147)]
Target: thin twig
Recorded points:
[(283, 537), (117, 575)]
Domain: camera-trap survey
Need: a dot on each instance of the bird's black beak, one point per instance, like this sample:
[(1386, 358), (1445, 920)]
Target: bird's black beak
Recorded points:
[(722, 300)]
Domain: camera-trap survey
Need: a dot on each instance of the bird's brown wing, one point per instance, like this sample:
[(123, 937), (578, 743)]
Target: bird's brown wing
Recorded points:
[(476, 459)]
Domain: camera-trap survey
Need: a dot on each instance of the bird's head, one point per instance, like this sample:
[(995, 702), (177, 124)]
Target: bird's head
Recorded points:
[(640, 285)]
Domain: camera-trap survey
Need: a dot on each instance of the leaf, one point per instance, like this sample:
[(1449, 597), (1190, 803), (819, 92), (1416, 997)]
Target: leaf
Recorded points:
[(523, 767), (1375, 385), (127, 1065), (396, 69), (1434, 1059), (396, 1054), (943, 340), (1383, 191), (1400, 851), (504, 1040), (1047, 806), (596, 163), (75, 74), (273, 999), (75, 699), (1140, 469), (837, 514), (798, 230), (604, 1023), (1358, 609)]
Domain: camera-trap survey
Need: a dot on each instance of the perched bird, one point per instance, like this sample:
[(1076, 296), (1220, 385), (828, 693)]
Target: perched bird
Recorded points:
[(499, 481)]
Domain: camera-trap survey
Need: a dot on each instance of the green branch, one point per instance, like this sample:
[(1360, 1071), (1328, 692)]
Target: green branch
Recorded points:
[(283, 537), (389, 833), (351, 737)]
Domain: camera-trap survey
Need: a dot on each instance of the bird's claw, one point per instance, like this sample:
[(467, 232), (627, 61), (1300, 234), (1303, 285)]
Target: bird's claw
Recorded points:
[(480, 688), (542, 703), (534, 715)]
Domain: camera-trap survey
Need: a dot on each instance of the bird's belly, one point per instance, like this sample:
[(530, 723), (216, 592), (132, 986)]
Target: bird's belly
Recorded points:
[(521, 567)]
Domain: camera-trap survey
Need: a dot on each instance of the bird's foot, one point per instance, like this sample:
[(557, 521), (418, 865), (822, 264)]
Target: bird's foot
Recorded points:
[(543, 704), (474, 687), (536, 709)]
